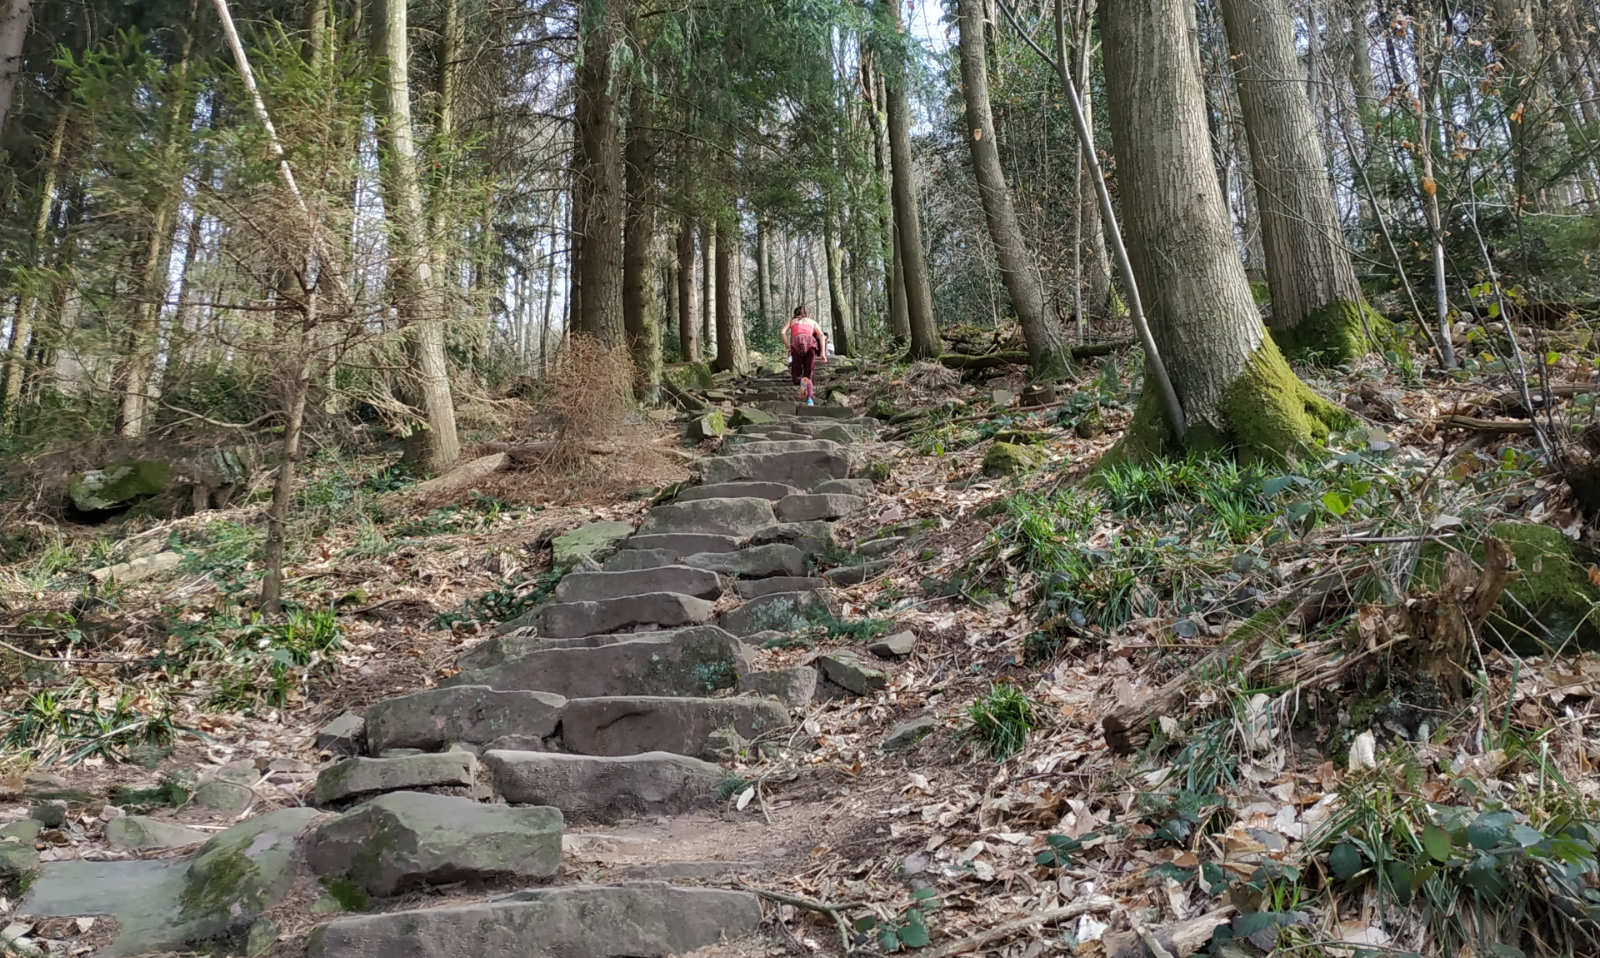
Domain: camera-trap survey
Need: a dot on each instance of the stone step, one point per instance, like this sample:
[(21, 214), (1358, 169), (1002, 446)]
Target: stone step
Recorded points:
[(804, 469), (601, 788), (728, 517), (795, 686), (821, 505), (755, 588), (659, 609), (756, 562), (812, 537), (846, 487), (356, 777), (695, 661), (583, 921), (764, 445), (405, 840), (474, 714), (630, 725), (594, 586), (685, 543), (783, 611), (517, 644), (736, 490), (737, 442), (631, 560), (827, 412)]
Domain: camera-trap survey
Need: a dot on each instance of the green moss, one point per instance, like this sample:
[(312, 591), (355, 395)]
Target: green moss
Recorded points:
[(708, 426), (349, 895), (695, 375), (118, 485), (1260, 292), (1550, 603), (1009, 459), (1337, 333), (227, 879)]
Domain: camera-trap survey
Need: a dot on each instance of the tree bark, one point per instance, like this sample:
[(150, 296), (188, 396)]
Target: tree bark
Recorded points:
[(1235, 388), (283, 488), (708, 288), (11, 377), (1096, 261), (1317, 306), (838, 304), (1041, 328), (764, 276), (1526, 98), (908, 223), (688, 327), (600, 178), (13, 34), (731, 352), (434, 449), (640, 308)]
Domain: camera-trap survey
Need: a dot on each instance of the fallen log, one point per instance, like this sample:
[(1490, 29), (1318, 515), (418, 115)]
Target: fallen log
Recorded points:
[(1507, 427), (466, 474), (1020, 358)]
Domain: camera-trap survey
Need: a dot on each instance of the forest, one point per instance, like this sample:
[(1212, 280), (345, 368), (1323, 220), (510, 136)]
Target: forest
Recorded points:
[(1184, 543)]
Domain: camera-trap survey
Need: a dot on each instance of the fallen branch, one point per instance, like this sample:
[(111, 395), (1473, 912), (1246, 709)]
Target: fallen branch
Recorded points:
[(1009, 928), (1520, 427), (1177, 940), (907, 430), (836, 912), (1020, 358), (75, 660)]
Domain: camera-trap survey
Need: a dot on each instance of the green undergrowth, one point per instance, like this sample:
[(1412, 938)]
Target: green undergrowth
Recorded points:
[(1000, 720), (503, 603), (807, 625)]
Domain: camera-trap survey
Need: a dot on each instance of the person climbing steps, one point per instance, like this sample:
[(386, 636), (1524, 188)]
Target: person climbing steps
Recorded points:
[(807, 344)]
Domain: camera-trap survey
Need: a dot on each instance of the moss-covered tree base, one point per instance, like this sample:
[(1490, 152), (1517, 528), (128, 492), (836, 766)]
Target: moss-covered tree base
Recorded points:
[(1339, 332), (1266, 414)]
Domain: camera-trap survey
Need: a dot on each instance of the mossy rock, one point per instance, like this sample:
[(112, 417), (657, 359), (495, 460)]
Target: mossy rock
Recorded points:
[(118, 485), (1021, 437), (1010, 459), (594, 540), (877, 470), (1090, 425), (750, 416), (709, 426), (1550, 603), (696, 375)]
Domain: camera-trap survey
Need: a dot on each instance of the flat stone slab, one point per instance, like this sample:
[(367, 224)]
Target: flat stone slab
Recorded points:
[(764, 445), (755, 588), (802, 469), (806, 507), (727, 517), (896, 646), (600, 788), (783, 611), (685, 543), (772, 491), (593, 586), (825, 412), (471, 712), (407, 839), (666, 609), (756, 562), (584, 921), (795, 687), (629, 725), (628, 560), (696, 661), (880, 547), (859, 573), (365, 776), (846, 487)]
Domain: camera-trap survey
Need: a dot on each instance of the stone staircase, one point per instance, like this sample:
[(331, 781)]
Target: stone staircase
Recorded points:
[(617, 699)]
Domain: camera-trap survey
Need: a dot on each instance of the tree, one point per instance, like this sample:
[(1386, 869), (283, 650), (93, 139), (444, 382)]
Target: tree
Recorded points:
[(598, 166), (907, 219), (1317, 305), (13, 32), (640, 316), (1041, 328), (1236, 389), (436, 448), (688, 323), (11, 375), (731, 352)]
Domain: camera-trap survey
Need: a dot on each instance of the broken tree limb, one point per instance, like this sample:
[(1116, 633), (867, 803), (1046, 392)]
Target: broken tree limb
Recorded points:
[(466, 474), (1009, 928), (1519, 427), (1020, 358)]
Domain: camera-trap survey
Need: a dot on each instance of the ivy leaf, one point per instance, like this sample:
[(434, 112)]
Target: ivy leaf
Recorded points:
[(1488, 829), (1436, 842), (1345, 860), (1337, 502), (914, 933), (888, 940)]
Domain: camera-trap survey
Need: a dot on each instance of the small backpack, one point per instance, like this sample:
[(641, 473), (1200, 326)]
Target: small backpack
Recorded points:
[(802, 337)]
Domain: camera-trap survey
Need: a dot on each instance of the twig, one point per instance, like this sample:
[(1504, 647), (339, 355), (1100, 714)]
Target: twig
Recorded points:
[(836, 912), (71, 660), (1008, 928)]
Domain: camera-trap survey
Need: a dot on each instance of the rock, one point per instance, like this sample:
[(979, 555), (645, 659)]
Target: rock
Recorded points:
[(594, 586), (1039, 394), (1020, 437), (630, 725), (909, 733), (755, 588), (795, 687), (708, 426), (784, 611), (25, 832), (121, 484), (696, 661), (594, 540), (138, 833), (725, 745), (137, 569), (681, 544), (811, 537), (880, 547), (583, 921), (364, 776), (845, 487), (344, 734), (799, 469), (804, 508), (750, 416), (842, 434), (49, 814), (859, 573), (599, 788), (896, 646), (755, 562), (666, 609), (229, 791), (1007, 459), (1002, 398), (407, 839), (772, 491), (464, 712), (729, 517), (825, 412), (17, 861), (846, 671), (629, 560), (514, 646)]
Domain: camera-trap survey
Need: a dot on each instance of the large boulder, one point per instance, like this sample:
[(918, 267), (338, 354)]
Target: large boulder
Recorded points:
[(117, 485), (605, 788), (629, 725), (637, 920), (695, 661), (729, 517), (464, 711), (666, 609), (406, 839)]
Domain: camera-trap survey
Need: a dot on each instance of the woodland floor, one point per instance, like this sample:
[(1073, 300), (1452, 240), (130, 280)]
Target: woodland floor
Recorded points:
[(1240, 808)]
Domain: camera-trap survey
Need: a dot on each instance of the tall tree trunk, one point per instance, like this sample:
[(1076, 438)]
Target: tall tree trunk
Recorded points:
[(908, 222), (600, 180), (641, 315), (436, 448), (708, 288), (894, 281), (1526, 98), (1234, 385), (13, 33), (283, 488), (688, 327), (731, 352), (1317, 305), (764, 276), (838, 302), (549, 294), (1096, 261), (11, 377), (1041, 328)]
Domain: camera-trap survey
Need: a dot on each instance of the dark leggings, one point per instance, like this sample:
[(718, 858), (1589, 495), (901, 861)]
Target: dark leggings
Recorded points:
[(800, 365)]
